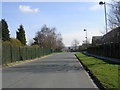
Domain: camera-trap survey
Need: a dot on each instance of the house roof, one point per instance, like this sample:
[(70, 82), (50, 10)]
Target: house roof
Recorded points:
[(97, 37)]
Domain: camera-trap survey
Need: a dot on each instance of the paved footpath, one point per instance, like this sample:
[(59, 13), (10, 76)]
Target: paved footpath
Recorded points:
[(56, 71)]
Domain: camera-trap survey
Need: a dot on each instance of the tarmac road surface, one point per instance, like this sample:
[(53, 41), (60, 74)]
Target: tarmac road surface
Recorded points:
[(56, 71)]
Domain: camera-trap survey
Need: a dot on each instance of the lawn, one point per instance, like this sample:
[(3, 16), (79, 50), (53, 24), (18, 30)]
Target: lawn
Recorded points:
[(106, 73)]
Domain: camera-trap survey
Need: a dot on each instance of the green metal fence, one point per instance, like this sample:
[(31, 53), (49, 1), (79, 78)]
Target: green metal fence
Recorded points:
[(11, 53), (107, 50)]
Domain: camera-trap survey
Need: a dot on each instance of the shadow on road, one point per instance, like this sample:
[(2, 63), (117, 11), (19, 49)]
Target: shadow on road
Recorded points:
[(48, 65)]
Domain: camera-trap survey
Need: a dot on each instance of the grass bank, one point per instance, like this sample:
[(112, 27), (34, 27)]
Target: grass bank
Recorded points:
[(105, 72)]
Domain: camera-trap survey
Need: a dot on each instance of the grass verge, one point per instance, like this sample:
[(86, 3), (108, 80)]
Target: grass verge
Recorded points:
[(105, 72)]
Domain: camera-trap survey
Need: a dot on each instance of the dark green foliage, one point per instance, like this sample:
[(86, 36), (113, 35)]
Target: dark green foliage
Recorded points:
[(5, 30), (34, 46), (0, 30), (35, 41), (56, 50), (21, 35)]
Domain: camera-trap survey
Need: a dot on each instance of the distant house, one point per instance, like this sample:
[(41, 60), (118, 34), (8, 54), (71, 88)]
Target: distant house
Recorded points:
[(97, 40), (112, 36), (84, 46)]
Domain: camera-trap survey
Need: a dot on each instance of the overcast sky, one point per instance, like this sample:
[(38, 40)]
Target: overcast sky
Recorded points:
[(70, 18)]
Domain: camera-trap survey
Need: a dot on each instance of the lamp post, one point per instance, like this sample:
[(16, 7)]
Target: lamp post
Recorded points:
[(86, 35), (103, 3)]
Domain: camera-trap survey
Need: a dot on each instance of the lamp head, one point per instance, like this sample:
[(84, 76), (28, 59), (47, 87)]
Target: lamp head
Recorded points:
[(101, 3)]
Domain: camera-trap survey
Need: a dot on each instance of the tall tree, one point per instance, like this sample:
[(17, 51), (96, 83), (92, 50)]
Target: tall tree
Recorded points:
[(21, 35), (59, 43), (5, 31), (48, 37), (75, 43), (114, 17)]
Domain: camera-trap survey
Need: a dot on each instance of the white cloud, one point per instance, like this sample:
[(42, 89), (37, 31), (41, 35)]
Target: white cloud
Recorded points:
[(96, 7), (54, 0), (69, 37), (108, 1), (24, 8), (99, 7), (80, 36)]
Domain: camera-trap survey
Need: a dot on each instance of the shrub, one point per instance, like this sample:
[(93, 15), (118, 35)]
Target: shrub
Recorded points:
[(6, 42), (34, 46), (15, 41)]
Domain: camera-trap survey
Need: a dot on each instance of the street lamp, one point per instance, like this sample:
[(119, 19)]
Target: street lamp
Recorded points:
[(86, 35), (103, 3)]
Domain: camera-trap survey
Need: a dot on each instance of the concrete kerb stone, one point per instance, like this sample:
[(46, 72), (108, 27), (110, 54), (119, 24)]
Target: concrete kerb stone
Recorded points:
[(92, 76)]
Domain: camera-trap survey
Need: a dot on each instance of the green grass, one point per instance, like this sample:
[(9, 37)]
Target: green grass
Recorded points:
[(105, 72), (56, 52)]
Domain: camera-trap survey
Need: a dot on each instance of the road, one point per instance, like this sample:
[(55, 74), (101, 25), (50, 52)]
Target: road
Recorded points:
[(56, 71)]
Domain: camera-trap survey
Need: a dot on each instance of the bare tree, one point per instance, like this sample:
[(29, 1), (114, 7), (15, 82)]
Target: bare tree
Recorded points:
[(30, 42), (114, 16), (59, 43), (102, 32), (75, 43), (48, 38)]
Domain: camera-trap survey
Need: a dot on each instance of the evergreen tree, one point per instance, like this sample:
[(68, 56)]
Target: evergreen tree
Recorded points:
[(5, 31), (35, 41), (21, 35)]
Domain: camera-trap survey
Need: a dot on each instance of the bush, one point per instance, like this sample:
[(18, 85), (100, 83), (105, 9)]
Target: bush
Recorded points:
[(15, 41), (34, 46), (6, 42)]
